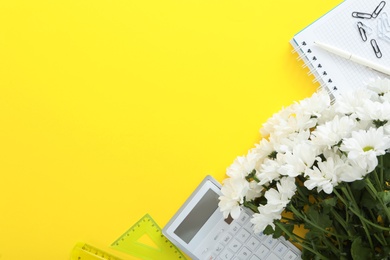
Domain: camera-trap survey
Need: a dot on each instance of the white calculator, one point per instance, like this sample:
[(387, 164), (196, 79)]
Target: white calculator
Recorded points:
[(200, 230)]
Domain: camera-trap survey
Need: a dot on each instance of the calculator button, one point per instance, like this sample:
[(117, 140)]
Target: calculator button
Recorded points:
[(205, 251), (226, 255), (261, 236), (226, 238), (211, 257), (254, 258), (235, 245), (234, 227), (262, 252), (249, 225), (243, 235), (244, 253), (218, 249), (270, 242), (272, 256), (290, 256), (253, 243), (218, 234), (280, 249), (244, 217)]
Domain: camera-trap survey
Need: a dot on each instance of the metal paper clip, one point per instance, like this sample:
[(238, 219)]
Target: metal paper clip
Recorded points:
[(378, 9), (376, 49), (383, 27), (361, 15), (367, 29), (362, 31), (385, 20)]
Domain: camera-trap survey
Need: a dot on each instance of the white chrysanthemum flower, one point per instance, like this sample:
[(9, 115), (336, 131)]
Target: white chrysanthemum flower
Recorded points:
[(287, 144), (277, 201), (264, 148), (386, 129), (331, 133), (266, 216), (364, 124), (314, 105), (327, 115), (233, 193), (243, 165), (317, 179), (274, 197), (327, 174), (287, 188), (277, 122), (364, 147), (348, 104), (374, 110), (380, 86), (268, 172), (348, 170), (300, 121), (302, 157), (255, 191), (351, 171), (385, 97), (297, 117)]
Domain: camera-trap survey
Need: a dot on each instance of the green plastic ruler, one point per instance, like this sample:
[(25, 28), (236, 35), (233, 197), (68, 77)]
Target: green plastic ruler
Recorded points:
[(146, 241), (83, 251)]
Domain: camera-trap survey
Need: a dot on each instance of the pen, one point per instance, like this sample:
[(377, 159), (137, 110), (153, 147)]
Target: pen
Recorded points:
[(349, 56)]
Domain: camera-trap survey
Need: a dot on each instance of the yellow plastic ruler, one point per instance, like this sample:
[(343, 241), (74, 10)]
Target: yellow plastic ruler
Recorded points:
[(146, 241), (83, 251)]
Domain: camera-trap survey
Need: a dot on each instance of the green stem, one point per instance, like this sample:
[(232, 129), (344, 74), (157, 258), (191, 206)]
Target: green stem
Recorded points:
[(367, 221), (372, 188), (346, 205), (381, 239), (331, 246), (303, 196), (381, 172), (280, 225), (289, 219), (341, 221), (347, 191), (297, 213), (340, 198), (251, 206), (376, 177)]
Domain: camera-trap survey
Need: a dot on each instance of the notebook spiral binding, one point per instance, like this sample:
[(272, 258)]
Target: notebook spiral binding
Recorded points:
[(310, 62)]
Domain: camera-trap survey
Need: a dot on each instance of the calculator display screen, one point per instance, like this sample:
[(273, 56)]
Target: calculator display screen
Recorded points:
[(198, 216)]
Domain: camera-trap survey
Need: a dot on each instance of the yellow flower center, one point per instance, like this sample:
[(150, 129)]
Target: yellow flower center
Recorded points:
[(368, 148)]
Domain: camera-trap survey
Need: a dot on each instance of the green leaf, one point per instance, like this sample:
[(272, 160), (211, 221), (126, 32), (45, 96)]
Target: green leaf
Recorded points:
[(328, 204), (278, 232), (358, 185), (386, 166), (321, 220), (385, 254), (268, 230), (385, 196), (251, 205), (313, 235), (368, 201), (359, 251)]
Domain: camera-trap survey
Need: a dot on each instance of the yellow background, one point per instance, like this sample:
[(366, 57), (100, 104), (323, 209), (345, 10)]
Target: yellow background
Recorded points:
[(113, 109)]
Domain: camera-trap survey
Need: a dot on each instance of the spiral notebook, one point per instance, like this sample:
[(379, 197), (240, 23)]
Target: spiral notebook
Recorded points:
[(355, 26)]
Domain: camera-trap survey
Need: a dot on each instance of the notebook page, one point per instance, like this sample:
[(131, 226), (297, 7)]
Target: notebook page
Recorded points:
[(338, 28)]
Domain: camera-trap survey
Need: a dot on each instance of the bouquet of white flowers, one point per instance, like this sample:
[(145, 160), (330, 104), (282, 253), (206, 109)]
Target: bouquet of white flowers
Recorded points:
[(323, 166)]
